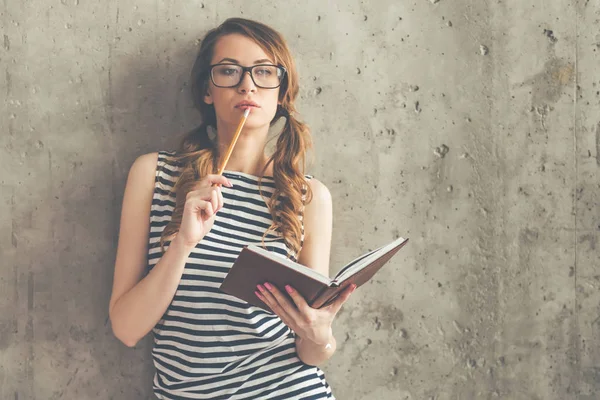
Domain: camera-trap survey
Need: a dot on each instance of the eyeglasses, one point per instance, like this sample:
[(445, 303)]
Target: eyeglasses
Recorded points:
[(265, 76)]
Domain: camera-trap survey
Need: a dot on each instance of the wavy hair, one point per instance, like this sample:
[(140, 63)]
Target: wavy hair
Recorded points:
[(198, 156)]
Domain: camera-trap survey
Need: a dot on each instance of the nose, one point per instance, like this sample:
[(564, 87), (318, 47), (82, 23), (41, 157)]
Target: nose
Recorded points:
[(247, 84)]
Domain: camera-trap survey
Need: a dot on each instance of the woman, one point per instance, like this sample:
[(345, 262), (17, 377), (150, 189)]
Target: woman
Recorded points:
[(188, 225)]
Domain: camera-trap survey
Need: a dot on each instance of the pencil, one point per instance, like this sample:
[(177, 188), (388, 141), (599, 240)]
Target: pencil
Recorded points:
[(232, 144)]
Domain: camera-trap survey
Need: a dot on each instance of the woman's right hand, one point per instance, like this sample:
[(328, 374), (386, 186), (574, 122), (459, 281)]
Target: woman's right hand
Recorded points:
[(201, 206)]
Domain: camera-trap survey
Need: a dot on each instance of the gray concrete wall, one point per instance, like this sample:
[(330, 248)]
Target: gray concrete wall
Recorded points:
[(486, 157)]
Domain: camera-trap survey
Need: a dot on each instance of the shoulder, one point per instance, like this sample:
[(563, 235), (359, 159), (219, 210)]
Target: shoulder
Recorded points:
[(320, 192), (318, 211), (143, 171), (144, 164), (157, 164), (140, 185), (147, 159)]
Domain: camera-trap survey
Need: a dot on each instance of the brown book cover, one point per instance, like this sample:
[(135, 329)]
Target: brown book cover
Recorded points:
[(256, 265)]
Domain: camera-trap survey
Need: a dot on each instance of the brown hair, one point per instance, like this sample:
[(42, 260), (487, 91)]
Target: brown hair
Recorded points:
[(198, 156)]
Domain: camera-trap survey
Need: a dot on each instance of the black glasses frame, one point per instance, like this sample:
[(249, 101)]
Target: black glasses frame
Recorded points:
[(249, 69)]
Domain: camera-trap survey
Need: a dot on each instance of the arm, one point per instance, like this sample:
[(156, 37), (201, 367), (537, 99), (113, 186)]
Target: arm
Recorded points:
[(315, 253), (137, 304)]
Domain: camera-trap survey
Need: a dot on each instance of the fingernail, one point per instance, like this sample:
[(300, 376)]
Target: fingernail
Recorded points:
[(268, 286), (257, 294), (262, 289), (289, 289), (230, 184)]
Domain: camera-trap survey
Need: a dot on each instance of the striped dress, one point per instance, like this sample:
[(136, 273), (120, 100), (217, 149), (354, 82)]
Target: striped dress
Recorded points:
[(210, 345)]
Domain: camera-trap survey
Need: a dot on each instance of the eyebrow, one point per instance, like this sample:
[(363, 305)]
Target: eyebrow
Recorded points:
[(233, 60)]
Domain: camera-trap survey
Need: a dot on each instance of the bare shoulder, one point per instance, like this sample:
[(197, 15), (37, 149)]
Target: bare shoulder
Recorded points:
[(144, 164), (321, 194), (140, 183)]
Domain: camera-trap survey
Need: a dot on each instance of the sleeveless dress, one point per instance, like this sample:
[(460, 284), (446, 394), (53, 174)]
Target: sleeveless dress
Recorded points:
[(210, 345)]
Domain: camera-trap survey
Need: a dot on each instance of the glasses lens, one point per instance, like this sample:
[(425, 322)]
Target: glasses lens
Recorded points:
[(226, 75), (267, 76)]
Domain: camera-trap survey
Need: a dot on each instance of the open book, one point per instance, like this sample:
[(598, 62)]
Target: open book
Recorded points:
[(256, 265)]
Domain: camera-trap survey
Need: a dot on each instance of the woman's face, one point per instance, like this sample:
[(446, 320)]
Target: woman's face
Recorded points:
[(238, 49)]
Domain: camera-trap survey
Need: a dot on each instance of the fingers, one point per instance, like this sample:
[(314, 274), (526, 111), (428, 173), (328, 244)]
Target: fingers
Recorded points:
[(267, 297), (298, 299), (214, 199), (214, 179), (200, 207), (221, 202), (210, 194), (208, 209), (276, 300)]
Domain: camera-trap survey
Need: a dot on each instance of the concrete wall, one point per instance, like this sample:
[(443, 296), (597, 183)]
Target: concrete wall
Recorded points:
[(472, 127)]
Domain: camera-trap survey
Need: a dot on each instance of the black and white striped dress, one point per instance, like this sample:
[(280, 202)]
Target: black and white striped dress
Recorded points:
[(209, 345)]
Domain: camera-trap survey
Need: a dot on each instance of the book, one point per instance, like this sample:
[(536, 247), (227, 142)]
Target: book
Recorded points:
[(256, 265)]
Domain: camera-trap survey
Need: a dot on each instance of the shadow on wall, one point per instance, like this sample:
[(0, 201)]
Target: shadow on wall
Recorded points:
[(64, 198), (147, 107)]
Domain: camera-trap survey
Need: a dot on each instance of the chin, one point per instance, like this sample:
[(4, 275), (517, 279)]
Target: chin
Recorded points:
[(256, 124)]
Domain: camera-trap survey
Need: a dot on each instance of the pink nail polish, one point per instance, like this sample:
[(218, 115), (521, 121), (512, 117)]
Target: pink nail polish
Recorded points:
[(289, 289), (268, 286), (262, 289)]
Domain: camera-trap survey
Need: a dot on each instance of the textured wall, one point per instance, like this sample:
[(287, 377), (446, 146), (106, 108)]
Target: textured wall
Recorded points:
[(472, 127)]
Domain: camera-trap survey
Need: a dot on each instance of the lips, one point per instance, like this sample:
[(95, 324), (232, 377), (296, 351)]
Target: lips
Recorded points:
[(246, 104)]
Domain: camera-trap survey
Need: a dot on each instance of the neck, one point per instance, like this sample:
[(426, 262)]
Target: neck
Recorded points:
[(248, 154)]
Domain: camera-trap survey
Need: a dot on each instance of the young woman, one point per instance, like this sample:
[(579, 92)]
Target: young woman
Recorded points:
[(182, 227)]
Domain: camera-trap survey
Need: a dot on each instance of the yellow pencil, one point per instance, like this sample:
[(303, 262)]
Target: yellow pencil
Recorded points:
[(232, 144)]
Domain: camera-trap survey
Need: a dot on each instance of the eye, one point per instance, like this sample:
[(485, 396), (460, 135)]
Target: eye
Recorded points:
[(264, 71), (228, 71)]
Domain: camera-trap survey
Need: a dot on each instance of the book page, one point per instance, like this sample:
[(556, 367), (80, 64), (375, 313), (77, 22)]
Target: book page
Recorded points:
[(357, 264), (352, 263)]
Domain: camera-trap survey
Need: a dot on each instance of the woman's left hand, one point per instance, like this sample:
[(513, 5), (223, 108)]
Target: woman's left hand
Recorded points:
[(307, 322)]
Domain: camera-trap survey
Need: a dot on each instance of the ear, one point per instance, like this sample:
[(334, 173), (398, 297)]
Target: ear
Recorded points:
[(207, 97)]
